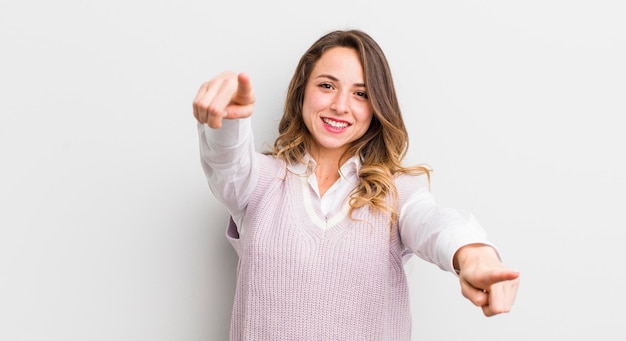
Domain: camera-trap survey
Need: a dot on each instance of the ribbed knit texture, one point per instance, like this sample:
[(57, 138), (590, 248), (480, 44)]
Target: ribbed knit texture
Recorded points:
[(298, 281)]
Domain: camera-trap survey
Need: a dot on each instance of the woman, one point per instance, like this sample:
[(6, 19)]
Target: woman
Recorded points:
[(323, 222)]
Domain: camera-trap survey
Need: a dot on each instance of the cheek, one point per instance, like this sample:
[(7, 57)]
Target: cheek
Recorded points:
[(307, 113), (366, 114), (314, 103), (366, 120)]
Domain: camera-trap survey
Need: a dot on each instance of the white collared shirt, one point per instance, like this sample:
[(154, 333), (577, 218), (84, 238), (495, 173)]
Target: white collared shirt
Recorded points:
[(432, 232), (336, 194)]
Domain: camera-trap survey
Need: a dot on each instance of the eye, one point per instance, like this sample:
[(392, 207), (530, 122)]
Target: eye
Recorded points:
[(325, 86), (361, 94)]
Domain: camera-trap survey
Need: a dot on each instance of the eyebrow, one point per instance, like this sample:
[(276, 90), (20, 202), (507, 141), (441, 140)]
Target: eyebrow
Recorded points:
[(331, 77)]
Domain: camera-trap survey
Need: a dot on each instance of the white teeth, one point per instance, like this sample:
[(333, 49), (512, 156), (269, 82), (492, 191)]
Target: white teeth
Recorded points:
[(335, 124)]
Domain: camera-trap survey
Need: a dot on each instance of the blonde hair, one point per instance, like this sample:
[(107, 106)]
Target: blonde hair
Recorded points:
[(381, 149)]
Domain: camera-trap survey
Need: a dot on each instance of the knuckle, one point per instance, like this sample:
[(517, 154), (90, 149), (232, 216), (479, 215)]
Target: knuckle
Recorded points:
[(213, 110), (201, 105), (229, 82)]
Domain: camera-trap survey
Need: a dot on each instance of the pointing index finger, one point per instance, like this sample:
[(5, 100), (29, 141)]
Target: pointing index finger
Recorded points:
[(501, 276), (244, 94)]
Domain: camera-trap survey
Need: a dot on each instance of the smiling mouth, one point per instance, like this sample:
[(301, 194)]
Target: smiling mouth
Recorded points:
[(335, 124)]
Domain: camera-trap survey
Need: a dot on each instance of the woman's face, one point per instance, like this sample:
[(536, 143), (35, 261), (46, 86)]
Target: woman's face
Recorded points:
[(336, 108)]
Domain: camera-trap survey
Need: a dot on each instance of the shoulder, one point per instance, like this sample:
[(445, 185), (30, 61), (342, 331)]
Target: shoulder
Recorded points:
[(269, 161), (409, 181), (408, 184), (270, 167)]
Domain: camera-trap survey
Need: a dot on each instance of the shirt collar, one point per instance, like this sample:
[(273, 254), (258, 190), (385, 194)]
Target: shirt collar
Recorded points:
[(307, 166)]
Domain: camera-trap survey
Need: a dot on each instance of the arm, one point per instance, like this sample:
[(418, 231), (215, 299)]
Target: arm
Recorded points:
[(229, 164), (227, 147), (432, 232), (455, 241)]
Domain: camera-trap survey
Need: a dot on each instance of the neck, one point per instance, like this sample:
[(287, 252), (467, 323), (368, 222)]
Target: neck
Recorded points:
[(329, 158), (327, 168), (327, 175)]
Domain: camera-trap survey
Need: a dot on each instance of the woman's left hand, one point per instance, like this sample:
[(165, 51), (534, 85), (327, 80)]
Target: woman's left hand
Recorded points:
[(485, 281)]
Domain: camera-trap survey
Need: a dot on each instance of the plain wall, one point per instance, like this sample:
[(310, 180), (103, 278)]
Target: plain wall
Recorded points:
[(108, 230)]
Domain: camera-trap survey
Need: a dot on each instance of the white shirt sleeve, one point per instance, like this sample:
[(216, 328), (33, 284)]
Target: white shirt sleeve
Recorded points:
[(436, 233), (229, 164)]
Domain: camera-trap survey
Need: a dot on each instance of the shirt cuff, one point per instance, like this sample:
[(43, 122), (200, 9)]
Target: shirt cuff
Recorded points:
[(471, 233), (230, 134)]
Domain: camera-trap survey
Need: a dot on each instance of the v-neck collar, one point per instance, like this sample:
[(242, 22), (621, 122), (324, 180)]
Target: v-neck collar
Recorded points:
[(322, 224)]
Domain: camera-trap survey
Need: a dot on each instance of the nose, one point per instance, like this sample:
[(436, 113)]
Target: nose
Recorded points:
[(340, 103)]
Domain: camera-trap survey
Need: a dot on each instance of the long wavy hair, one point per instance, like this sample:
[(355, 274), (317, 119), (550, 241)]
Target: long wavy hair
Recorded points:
[(381, 149)]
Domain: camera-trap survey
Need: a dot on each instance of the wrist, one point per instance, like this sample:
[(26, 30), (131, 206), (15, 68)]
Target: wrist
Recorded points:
[(471, 254)]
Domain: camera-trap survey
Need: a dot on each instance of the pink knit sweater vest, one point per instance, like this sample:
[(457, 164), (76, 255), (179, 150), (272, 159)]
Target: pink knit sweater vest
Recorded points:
[(298, 281)]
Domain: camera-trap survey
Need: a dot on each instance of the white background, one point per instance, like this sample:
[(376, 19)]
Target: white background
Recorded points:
[(108, 230)]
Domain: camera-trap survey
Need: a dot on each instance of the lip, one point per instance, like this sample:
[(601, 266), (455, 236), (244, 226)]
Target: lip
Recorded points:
[(331, 128), (335, 120)]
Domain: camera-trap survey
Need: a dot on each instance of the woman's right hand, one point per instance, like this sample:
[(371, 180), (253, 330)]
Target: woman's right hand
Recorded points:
[(229, 96)]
